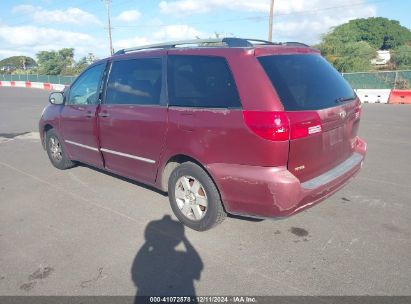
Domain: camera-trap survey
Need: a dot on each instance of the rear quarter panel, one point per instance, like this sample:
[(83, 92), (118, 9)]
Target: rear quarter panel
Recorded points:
[(219, 136)]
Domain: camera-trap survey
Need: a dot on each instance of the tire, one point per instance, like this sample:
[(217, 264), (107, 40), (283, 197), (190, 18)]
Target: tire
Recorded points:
[(55, 151), (194, 197)]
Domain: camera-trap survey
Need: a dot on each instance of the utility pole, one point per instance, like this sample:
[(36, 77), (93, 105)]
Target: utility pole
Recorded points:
[(270, 26), (109, 25)]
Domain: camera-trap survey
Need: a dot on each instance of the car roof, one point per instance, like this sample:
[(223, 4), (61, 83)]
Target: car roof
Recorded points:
[(216, 47)]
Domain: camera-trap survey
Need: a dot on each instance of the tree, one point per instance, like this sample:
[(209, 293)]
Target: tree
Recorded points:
[(77, 67), (380, 33), (354, 57), (352, 45), (402, 57), (54, 62), (17, 62), (24, 63), (91, 58), (81, 65)]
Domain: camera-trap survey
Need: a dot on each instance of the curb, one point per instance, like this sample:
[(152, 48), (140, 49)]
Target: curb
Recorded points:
[(373, 96), (34, 85), (385, 96)]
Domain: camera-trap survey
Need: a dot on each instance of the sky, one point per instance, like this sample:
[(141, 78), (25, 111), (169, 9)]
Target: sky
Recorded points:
[(28, 26)]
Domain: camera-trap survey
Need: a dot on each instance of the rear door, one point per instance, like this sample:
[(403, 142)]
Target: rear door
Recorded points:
[(322, 108), (133, 117), (78, 121)]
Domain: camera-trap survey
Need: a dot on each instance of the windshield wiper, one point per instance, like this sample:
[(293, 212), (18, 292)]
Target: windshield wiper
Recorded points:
[(343, 99)]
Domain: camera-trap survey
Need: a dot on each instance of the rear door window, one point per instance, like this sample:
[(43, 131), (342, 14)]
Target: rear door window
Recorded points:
[(135, 81), (306, 81), (201, 81)]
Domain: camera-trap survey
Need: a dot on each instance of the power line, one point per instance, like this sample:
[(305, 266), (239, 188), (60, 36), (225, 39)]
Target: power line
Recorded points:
[(260, 17), (256, 17)]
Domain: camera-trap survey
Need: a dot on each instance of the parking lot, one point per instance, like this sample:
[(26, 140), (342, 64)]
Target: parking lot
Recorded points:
[(83, 231)]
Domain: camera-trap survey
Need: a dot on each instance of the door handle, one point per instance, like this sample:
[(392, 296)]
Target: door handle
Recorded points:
[(103, 114), (89, 114)]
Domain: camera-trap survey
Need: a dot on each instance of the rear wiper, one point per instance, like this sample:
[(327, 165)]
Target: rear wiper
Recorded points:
[(343, 99)]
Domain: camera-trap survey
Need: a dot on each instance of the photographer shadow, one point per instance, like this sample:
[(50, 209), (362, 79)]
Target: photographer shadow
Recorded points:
[(159, 269)]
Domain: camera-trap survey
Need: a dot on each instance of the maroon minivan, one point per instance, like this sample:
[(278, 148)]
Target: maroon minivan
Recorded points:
[(231, 125)]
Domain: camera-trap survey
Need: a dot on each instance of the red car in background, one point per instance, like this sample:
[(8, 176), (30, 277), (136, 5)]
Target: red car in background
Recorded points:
[(231, 125)]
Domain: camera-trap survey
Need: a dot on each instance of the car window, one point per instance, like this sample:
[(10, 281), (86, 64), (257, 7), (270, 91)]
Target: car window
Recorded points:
[(84, 90), (201, 81), (306, 82), (135, 81)]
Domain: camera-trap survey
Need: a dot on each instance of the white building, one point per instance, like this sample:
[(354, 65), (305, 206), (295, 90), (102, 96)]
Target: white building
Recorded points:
[(383, 57)]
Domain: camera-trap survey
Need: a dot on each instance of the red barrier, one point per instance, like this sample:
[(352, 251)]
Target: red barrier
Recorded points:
[(400, 97), (35, 85)]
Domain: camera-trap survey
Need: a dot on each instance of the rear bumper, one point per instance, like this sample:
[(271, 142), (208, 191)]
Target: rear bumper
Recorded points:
[(274, 191)]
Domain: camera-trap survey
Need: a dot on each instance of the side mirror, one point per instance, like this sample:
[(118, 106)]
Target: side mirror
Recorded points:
[(56, 98)]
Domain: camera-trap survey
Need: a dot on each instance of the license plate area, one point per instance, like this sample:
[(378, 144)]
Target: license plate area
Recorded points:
[(333, 138)]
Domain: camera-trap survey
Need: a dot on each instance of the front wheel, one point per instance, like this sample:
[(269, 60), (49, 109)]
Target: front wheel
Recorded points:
[(56, 152), (194, 197)]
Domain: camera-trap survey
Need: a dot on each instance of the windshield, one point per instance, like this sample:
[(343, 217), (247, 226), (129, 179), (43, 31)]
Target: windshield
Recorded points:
[(306, 82)]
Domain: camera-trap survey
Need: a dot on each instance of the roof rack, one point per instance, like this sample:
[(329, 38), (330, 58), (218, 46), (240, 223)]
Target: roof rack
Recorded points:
[(295, 43), (228, 41)]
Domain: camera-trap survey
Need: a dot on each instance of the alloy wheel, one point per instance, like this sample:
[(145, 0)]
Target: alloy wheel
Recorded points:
[(55, 149), (191, 198)]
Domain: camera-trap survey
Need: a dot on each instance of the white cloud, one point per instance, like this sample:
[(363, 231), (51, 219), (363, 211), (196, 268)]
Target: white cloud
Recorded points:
[(71, 15), (16, 40), (166, 33), (293, 19), (188, 7), (130, 16), (130, 42), (9, 53), (309, 25), (177, 32)]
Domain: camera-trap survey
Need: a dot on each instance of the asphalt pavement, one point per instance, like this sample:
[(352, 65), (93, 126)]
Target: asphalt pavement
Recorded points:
[(86, 232)]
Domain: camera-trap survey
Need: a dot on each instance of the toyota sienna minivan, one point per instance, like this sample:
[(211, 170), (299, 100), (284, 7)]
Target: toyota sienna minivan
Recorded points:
[(238, 126)]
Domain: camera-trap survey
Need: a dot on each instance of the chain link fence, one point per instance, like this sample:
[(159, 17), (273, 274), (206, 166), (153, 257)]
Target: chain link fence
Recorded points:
[(400, 80), (38, 78), (368, 80)]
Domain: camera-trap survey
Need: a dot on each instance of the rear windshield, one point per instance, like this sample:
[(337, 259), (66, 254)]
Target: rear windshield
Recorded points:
[(306, 82)]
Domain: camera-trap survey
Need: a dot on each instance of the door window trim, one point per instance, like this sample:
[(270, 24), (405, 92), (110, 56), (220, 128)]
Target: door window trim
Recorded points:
[(240, 107), (163, 98), (67, 98)]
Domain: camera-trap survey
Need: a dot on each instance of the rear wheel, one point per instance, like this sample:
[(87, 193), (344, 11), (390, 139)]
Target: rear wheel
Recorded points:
[(194, 197), (56, 152)]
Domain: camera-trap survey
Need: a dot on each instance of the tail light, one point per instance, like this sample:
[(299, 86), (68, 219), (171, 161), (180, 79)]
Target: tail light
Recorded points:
[(303, 124), (268, 125), (278, 126)]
